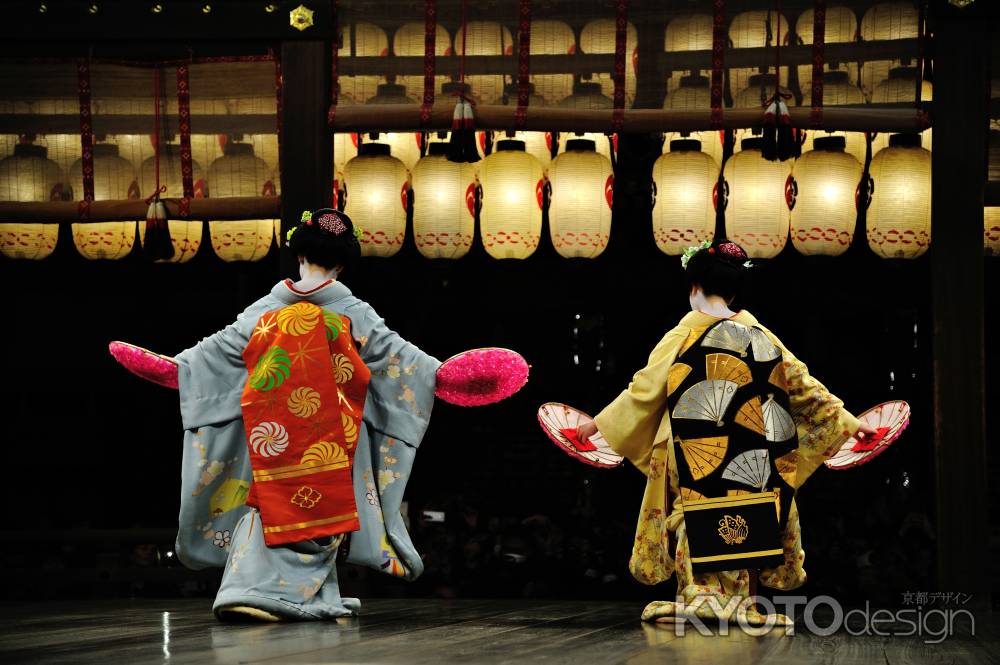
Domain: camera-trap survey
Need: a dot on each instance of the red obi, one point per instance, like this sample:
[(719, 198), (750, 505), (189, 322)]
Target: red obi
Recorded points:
[(302, 408)]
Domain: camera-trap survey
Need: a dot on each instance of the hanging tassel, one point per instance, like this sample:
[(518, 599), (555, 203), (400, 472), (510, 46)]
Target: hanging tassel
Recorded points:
[(787, 145), (769, 146), (462, 145), (156, 242)]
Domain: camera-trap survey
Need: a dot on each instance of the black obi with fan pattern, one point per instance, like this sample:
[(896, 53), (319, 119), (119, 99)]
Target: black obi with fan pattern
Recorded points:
[(730, 419)]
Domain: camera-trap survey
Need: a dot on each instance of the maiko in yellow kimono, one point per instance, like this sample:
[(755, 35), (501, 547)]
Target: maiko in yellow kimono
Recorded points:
[(638, 426)]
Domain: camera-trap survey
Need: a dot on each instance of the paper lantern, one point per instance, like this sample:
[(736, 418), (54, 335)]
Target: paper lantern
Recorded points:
[(901, 88), (184, 235), (345, 147), (485, 38), (599, 37), (692, 94), (362, 39), (239, 172), (751, 96), (684, 186), (991, 231), (825, 187), (444, 205), (841, 25), (837, 91), (377, 186), (582, 184), (605, 143), (888, 20), (114, 180), (511, 215), (536, 144), (755, 29), (994, 155), (899, 217), (587, 96), (687, 33), (408, 40), (756, 208), (29, 175), (552, 38)]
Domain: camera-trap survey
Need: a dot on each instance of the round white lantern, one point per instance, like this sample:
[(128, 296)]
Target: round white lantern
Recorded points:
[(114, 180), (408, 40), (901, 87), (587, 95), (692, 32), (404, 146), (551, 38), (693, 94), (485, 38), (599, 37), (377, 185), (362, 39), (837, 91), (684, 186), (991, 231), (444, 205), (841, 26), (604, 143), (757, 209), (511, 214), (750, 30), (825, 187), (582, 184), (899, 217), (888, 20), (29, 175), (239, 172), (750, 96)]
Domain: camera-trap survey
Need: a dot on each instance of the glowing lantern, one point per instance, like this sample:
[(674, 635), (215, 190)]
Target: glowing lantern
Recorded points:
[(587, 96), (755, 29), (838, 90), (376, 186), (899, 217), (184, 235), (687, 33), (991, 231), (757, 209), (511, 215), (114, 180), (604, 143), (901, 87), (760, 88), (552, 38), (345, 147), (29, 175), (485, 38), (684, 185), (363, 39), (841, 26), (582, 192), (889, 20), (599, 37), (693, 94), (409, 41), (444, 205), (239, 172), (825, 210)]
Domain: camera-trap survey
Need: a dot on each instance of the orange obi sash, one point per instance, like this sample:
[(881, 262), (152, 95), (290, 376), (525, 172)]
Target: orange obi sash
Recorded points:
[(302, 408)]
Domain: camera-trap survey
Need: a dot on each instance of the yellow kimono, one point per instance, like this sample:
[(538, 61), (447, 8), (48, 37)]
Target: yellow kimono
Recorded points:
[(637, 426)]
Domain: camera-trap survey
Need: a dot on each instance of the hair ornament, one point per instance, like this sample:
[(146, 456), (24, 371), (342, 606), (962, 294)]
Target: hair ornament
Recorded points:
[(358, 232), (306, 217), (691, 251), (332, 223), (290, 233)]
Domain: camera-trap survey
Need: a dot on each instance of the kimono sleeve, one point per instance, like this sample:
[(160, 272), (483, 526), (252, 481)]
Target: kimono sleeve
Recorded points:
[(211, 374), (822, 423), (637, 419), (403, 378)]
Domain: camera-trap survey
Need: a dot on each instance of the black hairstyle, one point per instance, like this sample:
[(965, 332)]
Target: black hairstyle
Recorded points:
[(326, 238), (718, 270)]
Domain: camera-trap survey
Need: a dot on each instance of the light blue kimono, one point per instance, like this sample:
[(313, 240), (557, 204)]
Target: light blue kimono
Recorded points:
[(216, 529)]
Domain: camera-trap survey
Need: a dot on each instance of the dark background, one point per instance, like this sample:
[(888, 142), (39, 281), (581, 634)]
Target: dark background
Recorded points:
[(92, 453)]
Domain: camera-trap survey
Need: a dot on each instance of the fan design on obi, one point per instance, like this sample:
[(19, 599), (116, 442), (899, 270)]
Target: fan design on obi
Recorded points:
[(737, 337), (706, 400), (560, 422), (889, 419), (768, 419), (703, 456), (752, 468)]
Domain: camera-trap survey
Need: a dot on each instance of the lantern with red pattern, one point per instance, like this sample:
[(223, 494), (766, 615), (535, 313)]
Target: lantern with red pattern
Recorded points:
[(512, 194)]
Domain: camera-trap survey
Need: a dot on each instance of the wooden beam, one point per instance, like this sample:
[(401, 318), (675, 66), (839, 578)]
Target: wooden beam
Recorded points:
[(69, 123), (306, 141), (256, 207), (961, 79), (406, 117)]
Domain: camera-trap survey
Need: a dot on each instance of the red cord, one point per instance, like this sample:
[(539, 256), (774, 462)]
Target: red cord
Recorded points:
[(461, 62)]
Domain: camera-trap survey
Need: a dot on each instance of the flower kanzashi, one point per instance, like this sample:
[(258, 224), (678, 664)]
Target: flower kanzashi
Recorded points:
[(691, 251)]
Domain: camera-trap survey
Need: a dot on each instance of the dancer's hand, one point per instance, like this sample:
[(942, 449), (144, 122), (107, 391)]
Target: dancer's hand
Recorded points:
[(586, 430), (865, 430)]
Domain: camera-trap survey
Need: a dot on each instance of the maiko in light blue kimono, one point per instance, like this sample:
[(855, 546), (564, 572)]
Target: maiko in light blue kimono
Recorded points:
[(216, 529)]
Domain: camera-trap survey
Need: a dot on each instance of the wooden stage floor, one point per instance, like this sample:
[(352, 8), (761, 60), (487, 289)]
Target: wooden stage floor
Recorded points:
[(434, 631)]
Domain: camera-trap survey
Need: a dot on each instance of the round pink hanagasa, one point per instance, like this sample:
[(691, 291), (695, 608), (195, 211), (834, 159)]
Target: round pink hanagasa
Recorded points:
[(145, 364), (481, 376)]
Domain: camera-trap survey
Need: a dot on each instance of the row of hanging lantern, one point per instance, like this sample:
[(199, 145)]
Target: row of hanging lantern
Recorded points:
[(28, 175)]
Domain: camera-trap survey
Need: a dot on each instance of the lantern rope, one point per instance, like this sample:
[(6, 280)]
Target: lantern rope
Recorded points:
[(921, 44), (158, 189), (621, 46), (718, 57), (779, 138), (157, 243), (818, 54), (430, 59), (86, 137), (462, 146), (523, 64), (184, 124)]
